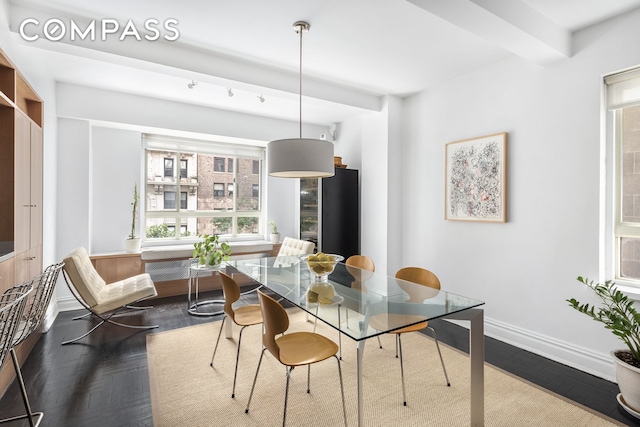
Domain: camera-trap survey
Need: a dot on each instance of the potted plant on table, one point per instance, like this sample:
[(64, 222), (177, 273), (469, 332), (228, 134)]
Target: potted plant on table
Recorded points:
[(619, 316), (132, 243), (210, 251), (274, 236)]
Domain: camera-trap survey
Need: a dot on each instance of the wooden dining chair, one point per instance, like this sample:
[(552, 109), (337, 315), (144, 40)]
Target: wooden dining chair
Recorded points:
[(243, 316), (294, 349), (431, 282)]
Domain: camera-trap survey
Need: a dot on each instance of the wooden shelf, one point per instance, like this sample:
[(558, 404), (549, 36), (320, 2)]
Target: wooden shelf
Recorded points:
[(16, 92)]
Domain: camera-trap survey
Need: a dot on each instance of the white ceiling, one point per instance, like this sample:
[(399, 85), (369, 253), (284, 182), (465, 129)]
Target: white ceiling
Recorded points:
[(356, 51)]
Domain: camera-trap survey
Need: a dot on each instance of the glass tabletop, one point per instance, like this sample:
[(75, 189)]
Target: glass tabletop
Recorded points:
[(359, 303)]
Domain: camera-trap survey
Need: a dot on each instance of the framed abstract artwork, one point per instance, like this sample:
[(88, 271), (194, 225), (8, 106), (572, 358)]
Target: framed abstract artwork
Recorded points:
[(476, 179)]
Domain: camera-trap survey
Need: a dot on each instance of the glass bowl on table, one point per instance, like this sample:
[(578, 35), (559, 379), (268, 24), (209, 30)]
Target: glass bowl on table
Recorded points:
[(320, 266)]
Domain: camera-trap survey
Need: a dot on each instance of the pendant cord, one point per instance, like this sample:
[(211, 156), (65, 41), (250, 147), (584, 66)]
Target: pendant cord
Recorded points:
[(300, 29)]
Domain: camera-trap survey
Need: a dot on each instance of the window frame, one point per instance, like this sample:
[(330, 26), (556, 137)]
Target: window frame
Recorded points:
[(178, 146)]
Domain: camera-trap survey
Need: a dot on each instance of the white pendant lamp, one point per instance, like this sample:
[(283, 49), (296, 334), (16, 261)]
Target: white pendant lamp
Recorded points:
[(300, 157)]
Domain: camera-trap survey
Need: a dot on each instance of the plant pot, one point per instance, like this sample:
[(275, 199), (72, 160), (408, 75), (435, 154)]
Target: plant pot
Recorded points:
[(274, 237), (628, 379), (132, 245)]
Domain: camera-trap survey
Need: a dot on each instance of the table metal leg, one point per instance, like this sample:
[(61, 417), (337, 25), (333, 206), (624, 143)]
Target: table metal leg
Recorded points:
[(359, 352), (475, 316)]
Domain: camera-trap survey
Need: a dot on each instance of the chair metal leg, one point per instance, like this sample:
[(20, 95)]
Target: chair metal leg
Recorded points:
[(235, 374), (286, 396), (399, 347), (246, 411), (215, 349), (34, 417), (104, 320), (344, 406), (308, 378), (440, 354)]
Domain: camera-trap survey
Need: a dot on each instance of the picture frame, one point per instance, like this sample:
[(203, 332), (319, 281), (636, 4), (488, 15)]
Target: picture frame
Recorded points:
[(476, 179)]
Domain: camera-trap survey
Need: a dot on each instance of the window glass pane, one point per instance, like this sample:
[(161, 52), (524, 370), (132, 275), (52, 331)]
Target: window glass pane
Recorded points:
[(183, 200), (160, 228), (218, 164), (208, 183), (248, 225), (218, 190), (248, 186), (169, 199), (168, 167), (183, 168), (631, 164), (218, 225), (630, 258)]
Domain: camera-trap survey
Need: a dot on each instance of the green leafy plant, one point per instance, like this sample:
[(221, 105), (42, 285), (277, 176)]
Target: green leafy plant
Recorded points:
[(274, 227), (617, 314), (210, 251), (134, 204)]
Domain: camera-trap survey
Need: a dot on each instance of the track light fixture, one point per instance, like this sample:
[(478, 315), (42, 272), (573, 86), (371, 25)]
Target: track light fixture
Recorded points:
[(261, 98), (229, 92), (192, 84)]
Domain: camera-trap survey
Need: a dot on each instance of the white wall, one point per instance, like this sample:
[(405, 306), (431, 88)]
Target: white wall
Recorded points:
[(525, 269), (116, 157)]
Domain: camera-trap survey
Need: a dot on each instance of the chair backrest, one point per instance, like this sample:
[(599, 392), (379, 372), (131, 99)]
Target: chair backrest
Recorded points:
[(231, 292), (292, 246), (86, 280), (38, 301), (275, 320), (12, 303), (361, 261), (421, 276)]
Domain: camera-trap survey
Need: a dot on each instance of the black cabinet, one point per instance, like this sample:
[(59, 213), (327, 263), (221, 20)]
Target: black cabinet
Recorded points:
[(335, 203)]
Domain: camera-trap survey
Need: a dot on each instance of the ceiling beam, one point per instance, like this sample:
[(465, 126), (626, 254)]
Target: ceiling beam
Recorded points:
[(512, 25)]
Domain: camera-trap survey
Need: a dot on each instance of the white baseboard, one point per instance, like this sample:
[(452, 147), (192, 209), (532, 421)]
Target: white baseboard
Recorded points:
[(68, 304), (586, 360)]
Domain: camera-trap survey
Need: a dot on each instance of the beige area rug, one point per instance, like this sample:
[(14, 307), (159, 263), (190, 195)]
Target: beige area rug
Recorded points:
[(186, 391)]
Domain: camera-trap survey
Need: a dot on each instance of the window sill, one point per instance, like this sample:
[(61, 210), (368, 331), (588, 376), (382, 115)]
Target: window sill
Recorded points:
[(631, 291), (153, 253)]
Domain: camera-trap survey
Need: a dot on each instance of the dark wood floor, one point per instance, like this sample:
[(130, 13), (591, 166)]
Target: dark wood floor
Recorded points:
[(103, 379)]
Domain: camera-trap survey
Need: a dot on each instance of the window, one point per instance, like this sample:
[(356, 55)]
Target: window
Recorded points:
[(256, 167), (218, 190), (183, 168), (623, 102), (183, 200), (169, 199), (222, 195), (218, 164), (168, 167)]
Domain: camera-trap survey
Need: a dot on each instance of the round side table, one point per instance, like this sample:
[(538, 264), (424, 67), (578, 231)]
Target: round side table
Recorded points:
[(193, 304)]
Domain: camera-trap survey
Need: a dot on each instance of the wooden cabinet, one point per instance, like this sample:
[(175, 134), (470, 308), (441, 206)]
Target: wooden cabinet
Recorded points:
[(329, 212), (21, 148), (21, 162), (116, 267)]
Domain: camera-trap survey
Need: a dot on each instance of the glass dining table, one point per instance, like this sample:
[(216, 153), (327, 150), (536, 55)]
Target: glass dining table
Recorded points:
[(363, 294)]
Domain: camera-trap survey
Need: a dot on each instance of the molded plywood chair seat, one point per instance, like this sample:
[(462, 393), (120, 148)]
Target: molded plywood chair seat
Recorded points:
[(430, 282), (291, 350), (243, 316), (34, 311), (99, 298), (12, 305)]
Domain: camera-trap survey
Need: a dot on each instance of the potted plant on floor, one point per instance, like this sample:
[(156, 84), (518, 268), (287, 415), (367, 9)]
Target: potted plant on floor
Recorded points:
[(210, 251), (274, 236), (132, 243), (618, 314)]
